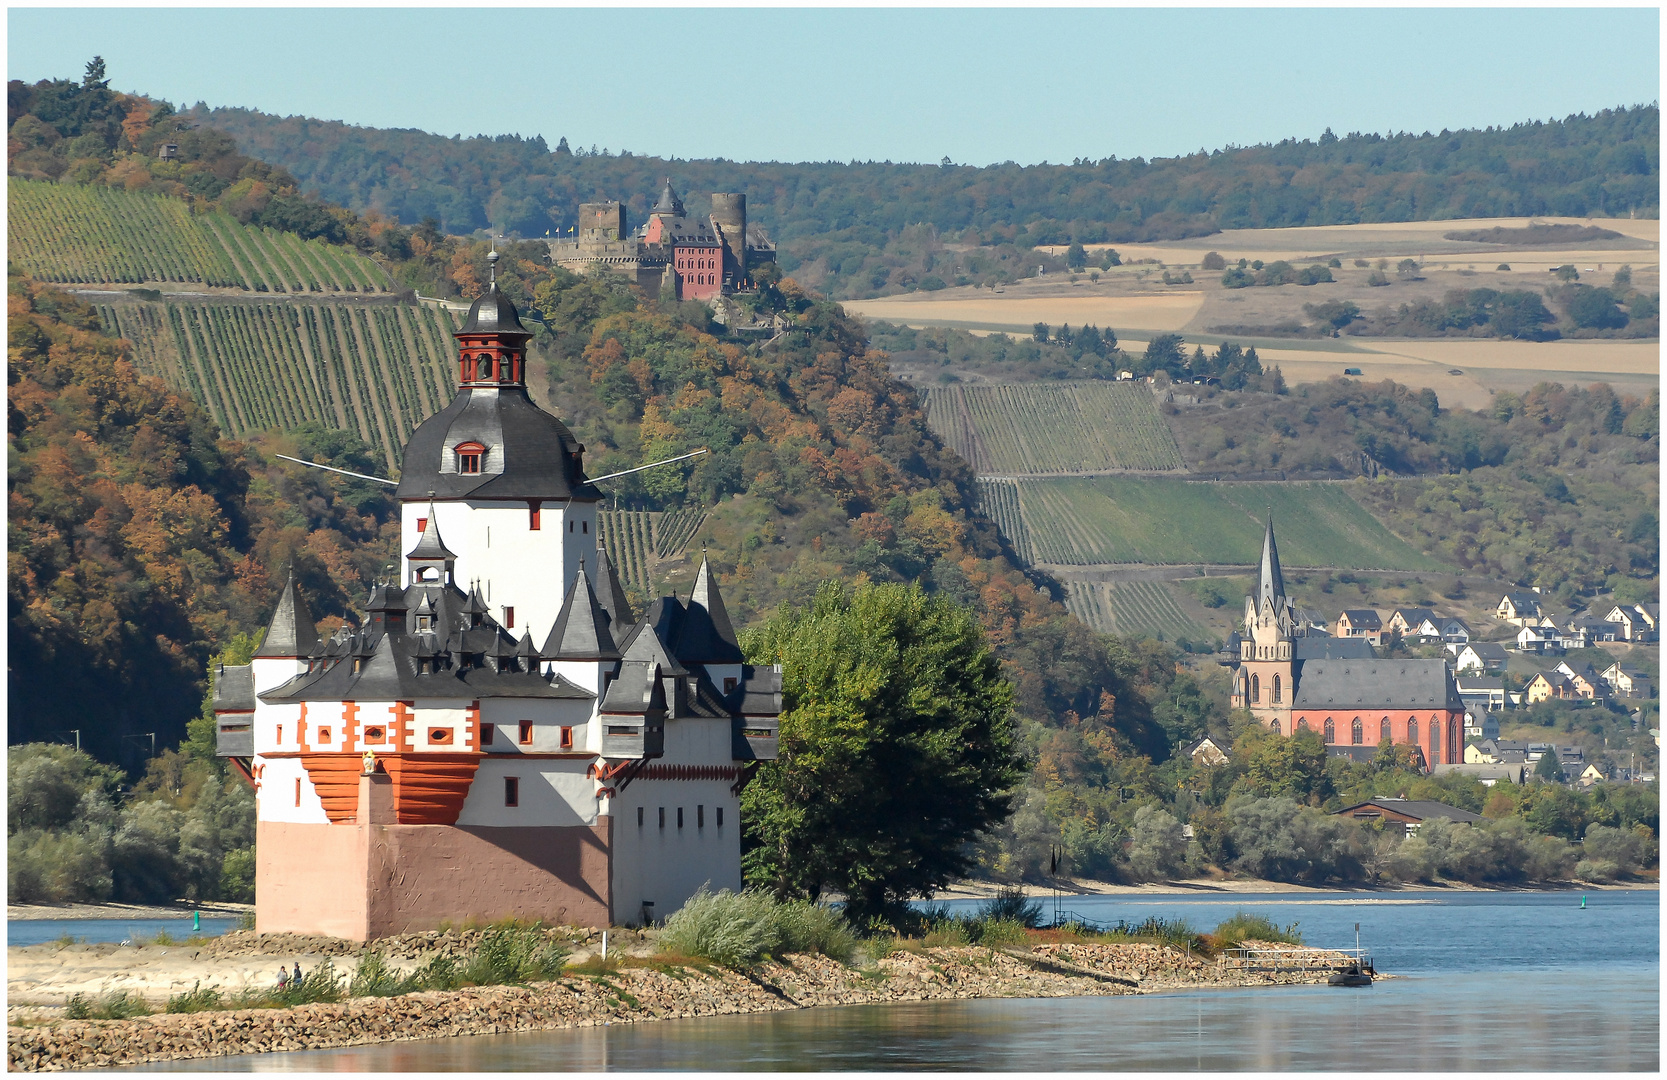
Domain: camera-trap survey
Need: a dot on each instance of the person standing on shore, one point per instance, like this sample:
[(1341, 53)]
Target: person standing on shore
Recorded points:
[(283, 978), (296, 978)]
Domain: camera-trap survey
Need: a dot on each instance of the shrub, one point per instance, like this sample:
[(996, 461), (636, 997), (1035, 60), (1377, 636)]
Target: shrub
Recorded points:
[(120, 1005), (1011, 905), (197, 999), (996, 933), (1213, 261), (1244, 926), (738, 929), (1157, 846), (514, 952)]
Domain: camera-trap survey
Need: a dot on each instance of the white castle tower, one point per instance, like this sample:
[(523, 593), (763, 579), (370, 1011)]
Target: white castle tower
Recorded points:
[(501, 736)]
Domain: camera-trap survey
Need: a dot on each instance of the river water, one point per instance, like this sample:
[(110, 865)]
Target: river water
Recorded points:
[(1486, 982), (92, 931)]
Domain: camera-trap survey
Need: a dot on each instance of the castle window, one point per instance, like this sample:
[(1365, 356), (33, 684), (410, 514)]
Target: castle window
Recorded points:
[(533, 522), (1357, 732), (526, 733), (584, 527), (640, 810), (679, 817), (439, 735), (280, 733), (486, 731), (374, 734), (358, 664), (662, 817), (422, 526), (1256, 688), (297, 791), (509, 617), (1386, 732), (1276, 690), (700, 817), (323, 734), (567, 738), (720, 821), (1330, 730), (512, 791), (469, 457), (729, 686)]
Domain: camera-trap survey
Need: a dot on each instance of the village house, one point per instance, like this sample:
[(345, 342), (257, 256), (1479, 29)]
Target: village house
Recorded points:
[(1628, 682), (1589, 776), (1407, 621), (1519, 609), (502, 736), (1539, 639), (1353, 702), (1206, 754), (1496, 751), (1586, 681), (1636, 622), (1478, 657), (1360, 623), (1408, 815), (1489, 775), (1481, 695), (1550, 686), (1594, 630)]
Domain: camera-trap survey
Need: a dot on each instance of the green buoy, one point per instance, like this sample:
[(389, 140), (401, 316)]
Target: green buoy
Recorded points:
[(197, 918), (1582, 901)]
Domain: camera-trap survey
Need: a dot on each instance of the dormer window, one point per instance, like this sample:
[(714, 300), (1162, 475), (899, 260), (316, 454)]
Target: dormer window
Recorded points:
[(469, 457)]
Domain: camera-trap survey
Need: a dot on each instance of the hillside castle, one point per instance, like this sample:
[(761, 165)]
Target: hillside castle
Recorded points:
[(1294, 678), (691, 258), (503, 736)]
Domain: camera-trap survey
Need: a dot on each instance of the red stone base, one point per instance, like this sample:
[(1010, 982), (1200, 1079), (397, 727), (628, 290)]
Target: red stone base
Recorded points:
[(368, 881)]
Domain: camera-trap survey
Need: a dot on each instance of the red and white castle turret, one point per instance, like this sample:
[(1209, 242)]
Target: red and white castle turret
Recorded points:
[(501, 736)]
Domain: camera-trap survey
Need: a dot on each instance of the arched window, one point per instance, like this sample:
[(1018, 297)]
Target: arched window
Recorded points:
[(1256, 688), (1276, 690), (1454, 754), (1330, 730), (1435, 741), (1357, 732), (1273, 725), (1302, 725), (1412, 730), (1386, 731), (469, 456)]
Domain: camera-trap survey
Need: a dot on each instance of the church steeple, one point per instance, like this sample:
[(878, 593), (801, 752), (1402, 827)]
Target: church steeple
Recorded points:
[(1271, 590)]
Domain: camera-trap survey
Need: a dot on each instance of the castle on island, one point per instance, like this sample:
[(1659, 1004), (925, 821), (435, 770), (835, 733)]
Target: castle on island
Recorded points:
[(502, 736), (690, 257), (1294, 678)]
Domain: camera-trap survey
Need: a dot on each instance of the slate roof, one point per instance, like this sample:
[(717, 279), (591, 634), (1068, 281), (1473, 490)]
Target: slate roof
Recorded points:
[(234, 688), (493, 313), (530, 454), (612, 597), (1389, 684), (581, 631), (291, 632), (1363, 618), (1417, 809), (668, 203), (705, 635), (1270, 590), (1331, 648), (1487, 650), (686, 230), (1414, 616), (757, 692)]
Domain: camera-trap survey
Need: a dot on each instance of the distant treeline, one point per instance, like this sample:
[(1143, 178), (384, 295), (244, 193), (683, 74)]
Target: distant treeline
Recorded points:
[(1607, 164)]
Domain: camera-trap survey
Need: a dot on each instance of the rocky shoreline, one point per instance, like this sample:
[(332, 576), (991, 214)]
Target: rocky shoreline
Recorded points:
[(645, 989)]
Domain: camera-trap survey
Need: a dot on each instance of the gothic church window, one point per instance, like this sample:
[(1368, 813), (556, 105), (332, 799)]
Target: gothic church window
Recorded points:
[(1277, 690), (1357, 732), (1330, 730), (1385, 731), (1256, 688)]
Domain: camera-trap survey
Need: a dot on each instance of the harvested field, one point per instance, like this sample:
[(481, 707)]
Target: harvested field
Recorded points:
[(1052, 428), (1159, 520), (1020, 308)]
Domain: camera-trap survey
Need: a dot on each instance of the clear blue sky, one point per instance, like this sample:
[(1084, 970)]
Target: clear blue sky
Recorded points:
[(979, 86)]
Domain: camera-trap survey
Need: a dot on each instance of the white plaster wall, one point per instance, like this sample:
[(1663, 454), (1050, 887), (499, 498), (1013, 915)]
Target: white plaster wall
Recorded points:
[(275, 798), (666, 865), (699, 741), (268, 719), (552, 791), (548, 717), (515, 565), (374, 714), (269, 672), (447, 716)]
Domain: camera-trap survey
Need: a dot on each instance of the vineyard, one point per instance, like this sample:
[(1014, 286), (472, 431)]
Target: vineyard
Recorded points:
[(1016, 429), (85, 234), (638, 540), (1132, 608), (378, 369), (1153, 520), (998, 500)]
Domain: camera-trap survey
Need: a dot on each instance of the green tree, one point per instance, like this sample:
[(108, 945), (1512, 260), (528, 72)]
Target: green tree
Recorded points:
[(1567, 272), (1075, 257), (1213, 261), (1163, 353), (1596, 309), (897, 748), (1549, 768)]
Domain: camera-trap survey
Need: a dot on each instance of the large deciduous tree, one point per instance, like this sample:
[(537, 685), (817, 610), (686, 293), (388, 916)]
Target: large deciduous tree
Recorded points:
[(897, 748)]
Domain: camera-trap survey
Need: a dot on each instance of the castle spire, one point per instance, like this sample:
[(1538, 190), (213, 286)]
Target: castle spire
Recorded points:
[(1271, 590), (291, 634), (581, 630), (706, 636)]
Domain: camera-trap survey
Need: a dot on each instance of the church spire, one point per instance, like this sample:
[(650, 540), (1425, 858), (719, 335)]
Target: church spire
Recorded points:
[(292, 634), (1271, 590)]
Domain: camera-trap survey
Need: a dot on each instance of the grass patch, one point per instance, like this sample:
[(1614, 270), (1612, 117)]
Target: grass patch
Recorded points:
[(737, 930), (120, 1005), (509, 952), (1244, 926)]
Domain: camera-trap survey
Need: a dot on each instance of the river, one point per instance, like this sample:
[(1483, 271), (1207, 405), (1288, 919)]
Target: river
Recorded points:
[(1485, 981)]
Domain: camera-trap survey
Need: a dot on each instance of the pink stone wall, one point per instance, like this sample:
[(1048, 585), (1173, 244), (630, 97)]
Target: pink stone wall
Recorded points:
[(368, 881)]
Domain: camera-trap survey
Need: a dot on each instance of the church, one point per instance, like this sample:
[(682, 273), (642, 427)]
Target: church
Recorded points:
[(502, 735), (1294, 678)]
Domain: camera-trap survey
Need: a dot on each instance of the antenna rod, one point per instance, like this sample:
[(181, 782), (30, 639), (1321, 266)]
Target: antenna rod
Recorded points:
[(331, 468), (655, 465)]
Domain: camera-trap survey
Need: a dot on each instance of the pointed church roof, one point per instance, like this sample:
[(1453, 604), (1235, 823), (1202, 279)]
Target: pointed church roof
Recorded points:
[(1271, 588), (291, 633), (706, 636), (613, 598), (669, 202), (429, 544), (581, 630)]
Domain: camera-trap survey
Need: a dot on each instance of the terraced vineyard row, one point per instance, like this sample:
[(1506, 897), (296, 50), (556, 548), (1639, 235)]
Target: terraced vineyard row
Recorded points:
[(85, 234), (998, 500), (1161, 520), (377, 369), (1132, 608), (636, 539), (1079, 427)]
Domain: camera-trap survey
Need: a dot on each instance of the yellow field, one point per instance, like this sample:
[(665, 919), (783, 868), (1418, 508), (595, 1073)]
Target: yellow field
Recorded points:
[(979, 307)]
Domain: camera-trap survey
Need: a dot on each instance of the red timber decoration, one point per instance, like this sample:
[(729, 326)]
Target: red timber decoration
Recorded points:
[(336, 779), (402, 727), (350, 726), (471, 726), (429, 789)]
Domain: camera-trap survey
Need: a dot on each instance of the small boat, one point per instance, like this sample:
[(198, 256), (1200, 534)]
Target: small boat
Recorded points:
[(1351, 975)]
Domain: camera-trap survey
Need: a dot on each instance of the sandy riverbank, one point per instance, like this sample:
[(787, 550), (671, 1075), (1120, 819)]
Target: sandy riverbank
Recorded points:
[(1203, 888), (631, 994), (180, 909)]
